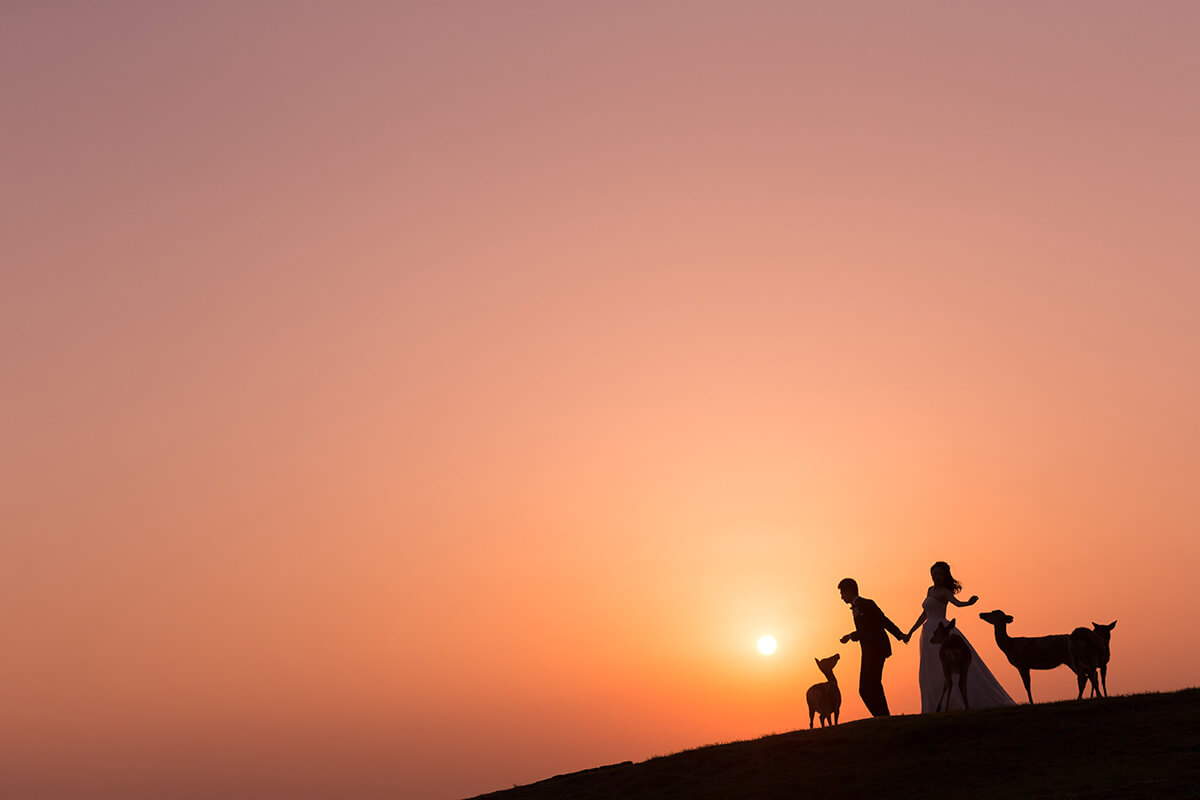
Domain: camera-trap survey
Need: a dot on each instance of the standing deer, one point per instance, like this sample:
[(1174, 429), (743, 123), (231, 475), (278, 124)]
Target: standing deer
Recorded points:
[(1085, 650), (1028, 652), (1104, 633), (956, 660), (825, 699)]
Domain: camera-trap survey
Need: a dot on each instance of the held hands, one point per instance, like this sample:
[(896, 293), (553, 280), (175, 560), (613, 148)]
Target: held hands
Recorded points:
[(974, 599)]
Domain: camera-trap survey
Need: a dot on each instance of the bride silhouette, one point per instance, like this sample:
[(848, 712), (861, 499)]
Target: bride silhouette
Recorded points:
[(983, 690)]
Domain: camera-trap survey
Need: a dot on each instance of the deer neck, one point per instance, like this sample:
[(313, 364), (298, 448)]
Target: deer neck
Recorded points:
[(1002, 637)]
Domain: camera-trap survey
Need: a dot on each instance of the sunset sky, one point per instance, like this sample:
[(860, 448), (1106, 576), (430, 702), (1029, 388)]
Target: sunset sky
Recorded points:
[(410, 400)]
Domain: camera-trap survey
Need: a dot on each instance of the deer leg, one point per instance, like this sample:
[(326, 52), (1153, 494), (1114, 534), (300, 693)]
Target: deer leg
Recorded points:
[(1104, 678), (1081, 676), (836, 713), (810, 719), (1025, 680), (962, 688)]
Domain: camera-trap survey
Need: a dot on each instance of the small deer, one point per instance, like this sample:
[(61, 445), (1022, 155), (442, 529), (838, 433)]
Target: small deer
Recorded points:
[(956, 660), (825, 699), (1085, 651), (1028, 652), (1104, 633)]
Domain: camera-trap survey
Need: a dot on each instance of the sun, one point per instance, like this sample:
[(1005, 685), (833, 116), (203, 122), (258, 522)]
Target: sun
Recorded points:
[(766, 645)]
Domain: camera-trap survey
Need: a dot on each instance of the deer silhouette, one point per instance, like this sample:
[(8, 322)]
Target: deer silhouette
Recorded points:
[(1027, 652), (1104, 634), (956, 660), (1085, 650), (825, 699)]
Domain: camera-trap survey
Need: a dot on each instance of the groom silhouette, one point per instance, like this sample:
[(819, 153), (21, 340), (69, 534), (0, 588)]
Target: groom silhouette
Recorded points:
[(871, 628)]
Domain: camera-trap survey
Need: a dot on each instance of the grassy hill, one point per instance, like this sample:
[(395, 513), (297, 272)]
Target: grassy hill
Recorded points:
[(1144, 745)]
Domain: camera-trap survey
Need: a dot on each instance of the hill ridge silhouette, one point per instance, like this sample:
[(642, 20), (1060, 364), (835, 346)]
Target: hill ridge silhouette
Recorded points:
[(1141, 745)]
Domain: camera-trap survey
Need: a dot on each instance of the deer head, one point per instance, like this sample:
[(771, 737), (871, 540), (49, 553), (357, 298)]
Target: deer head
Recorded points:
[(943, 630), (996, 617), (826, 665)]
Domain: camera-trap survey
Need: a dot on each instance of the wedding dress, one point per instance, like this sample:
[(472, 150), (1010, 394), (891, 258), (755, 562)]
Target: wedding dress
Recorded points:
[(983, 690)]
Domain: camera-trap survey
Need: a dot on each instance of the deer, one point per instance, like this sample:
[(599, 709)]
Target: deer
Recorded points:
[(1104, 633), (825, 699), (1027, 652), (1089, 651), (956, 660), (1085, 650)]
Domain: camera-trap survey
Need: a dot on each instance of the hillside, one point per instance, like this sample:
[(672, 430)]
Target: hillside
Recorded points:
[(1144, 745)]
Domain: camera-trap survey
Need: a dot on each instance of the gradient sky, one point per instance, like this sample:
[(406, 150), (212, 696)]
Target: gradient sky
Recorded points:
[(415, 399)]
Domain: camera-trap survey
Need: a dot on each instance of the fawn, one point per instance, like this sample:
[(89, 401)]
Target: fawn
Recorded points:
[(1104, 633), (1085, 650), (956, 660), (1089, 651), (825, 699)]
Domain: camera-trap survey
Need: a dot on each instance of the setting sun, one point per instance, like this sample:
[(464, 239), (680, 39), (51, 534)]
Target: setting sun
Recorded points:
[(766, 645)]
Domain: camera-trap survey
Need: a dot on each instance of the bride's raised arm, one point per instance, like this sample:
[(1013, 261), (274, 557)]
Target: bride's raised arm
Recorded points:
[(972, 601)]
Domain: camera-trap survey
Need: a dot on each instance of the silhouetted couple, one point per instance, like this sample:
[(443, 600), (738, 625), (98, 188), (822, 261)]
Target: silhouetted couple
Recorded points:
[(871, 628)]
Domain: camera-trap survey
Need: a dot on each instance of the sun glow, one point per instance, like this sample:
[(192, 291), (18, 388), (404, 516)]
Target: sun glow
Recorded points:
[(766, 645)]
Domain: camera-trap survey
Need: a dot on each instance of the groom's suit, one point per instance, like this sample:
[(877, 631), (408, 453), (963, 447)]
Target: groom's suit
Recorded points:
[(871, 628)]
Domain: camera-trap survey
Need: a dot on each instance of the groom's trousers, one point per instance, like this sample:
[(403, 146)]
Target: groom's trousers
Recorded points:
[(870, 684)]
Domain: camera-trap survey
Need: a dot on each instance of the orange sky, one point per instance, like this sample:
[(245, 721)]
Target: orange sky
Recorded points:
[(416, 399)]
